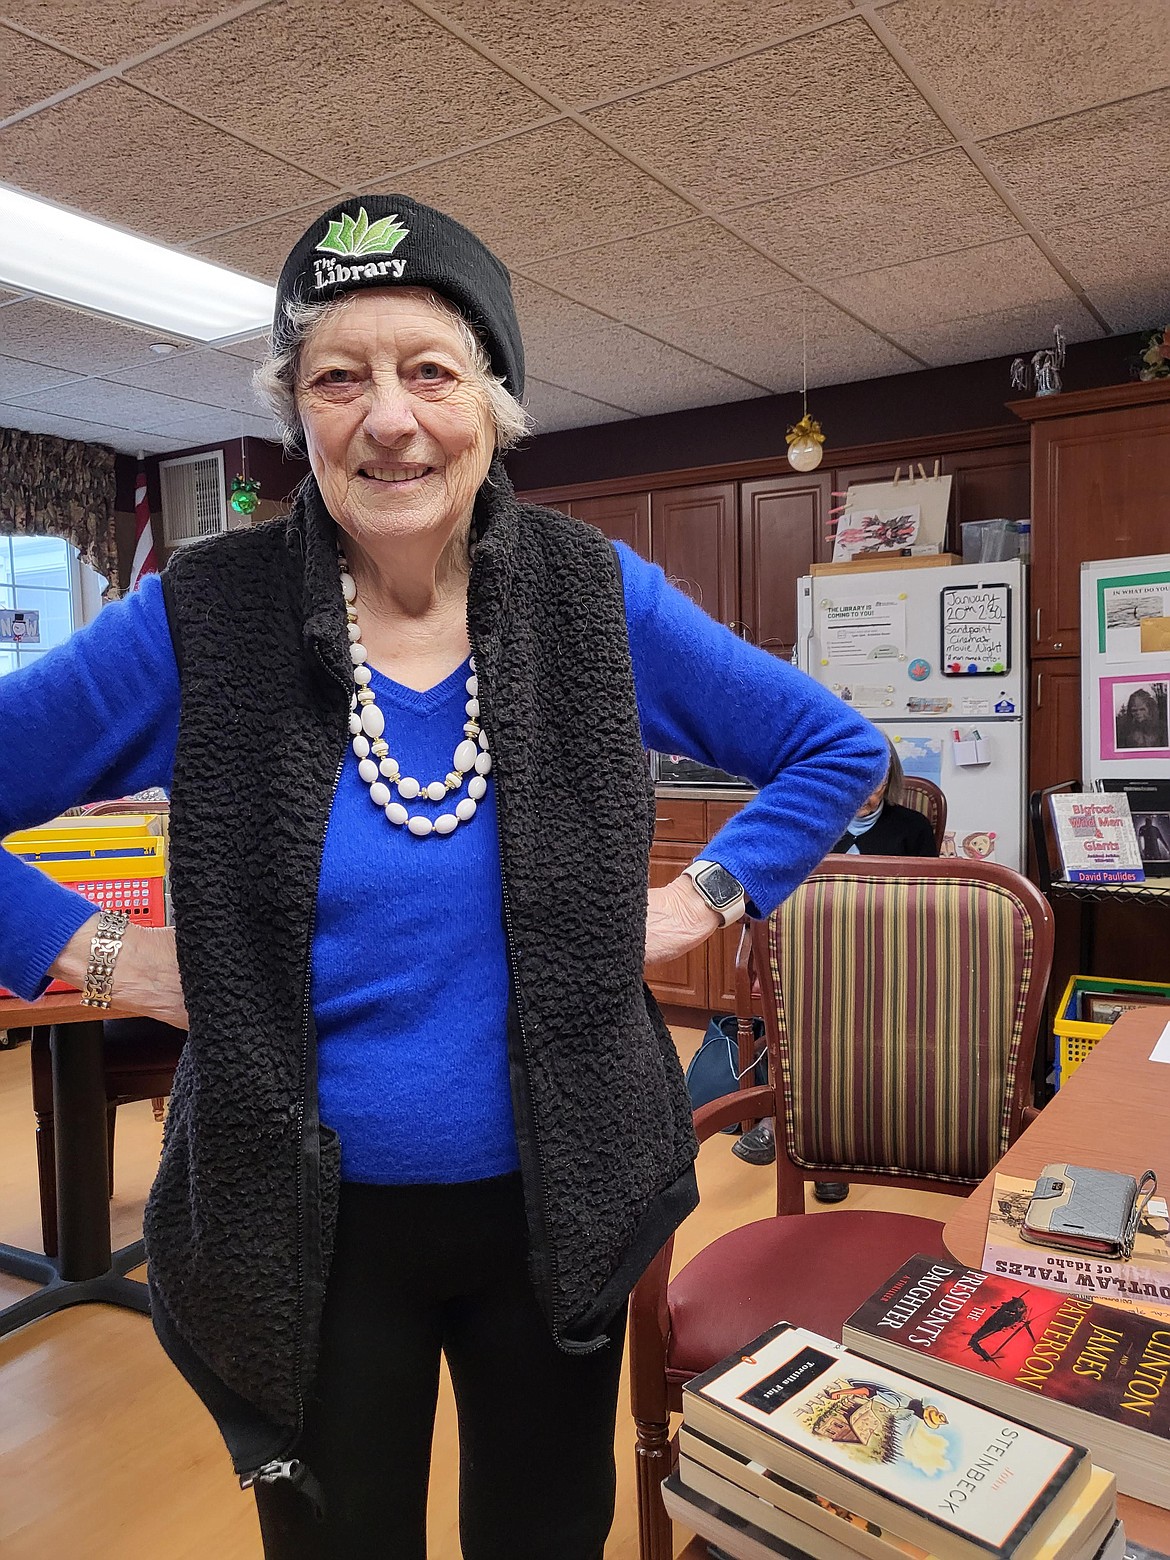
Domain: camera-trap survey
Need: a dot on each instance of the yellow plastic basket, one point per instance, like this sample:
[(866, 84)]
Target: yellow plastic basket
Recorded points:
[(1076, 1037)]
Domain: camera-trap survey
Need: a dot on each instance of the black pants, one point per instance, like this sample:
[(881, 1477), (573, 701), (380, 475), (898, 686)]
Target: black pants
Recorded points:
[(421, 1271)]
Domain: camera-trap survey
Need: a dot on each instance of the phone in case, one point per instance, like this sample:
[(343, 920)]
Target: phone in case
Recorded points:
[(1077, 1208)]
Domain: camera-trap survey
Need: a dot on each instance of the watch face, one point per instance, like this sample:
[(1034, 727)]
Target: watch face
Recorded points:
[(718, 886)]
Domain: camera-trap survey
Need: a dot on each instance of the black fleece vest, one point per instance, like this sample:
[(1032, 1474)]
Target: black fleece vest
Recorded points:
[(240, 1222)]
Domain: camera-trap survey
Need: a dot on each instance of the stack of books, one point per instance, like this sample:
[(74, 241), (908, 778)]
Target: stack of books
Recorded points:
[(1056, 1357), (798, 1446)]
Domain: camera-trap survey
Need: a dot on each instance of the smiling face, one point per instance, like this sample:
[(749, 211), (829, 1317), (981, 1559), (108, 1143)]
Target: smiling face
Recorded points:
[(397, 427)]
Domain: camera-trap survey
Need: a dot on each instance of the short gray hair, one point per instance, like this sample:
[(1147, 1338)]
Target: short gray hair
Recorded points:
[(276, 378)]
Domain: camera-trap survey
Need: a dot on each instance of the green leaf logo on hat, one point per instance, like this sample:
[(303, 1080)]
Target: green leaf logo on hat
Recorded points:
[(363, 237)]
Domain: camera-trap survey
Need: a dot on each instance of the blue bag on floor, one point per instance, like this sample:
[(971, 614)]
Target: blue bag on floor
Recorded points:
[(714, 1068)]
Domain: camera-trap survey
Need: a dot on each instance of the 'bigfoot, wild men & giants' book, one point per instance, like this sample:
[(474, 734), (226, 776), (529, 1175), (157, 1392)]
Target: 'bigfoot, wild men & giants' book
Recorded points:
[(1064, 1361), (927, 1466)]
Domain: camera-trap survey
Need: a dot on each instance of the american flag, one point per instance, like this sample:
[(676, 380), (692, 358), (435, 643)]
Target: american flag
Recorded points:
[(144, 559)]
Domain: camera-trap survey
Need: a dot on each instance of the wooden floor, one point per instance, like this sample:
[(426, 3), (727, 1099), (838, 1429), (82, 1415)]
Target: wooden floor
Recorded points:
[(105, 1454)]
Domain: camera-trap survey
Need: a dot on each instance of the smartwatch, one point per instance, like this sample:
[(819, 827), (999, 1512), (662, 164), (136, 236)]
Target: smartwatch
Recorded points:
[(722, 892)]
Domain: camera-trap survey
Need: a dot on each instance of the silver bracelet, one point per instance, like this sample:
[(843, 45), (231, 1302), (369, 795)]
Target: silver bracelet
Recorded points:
[(104, 948)]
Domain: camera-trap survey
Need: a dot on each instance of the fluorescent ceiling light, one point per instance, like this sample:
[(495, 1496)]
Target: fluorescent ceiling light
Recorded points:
[(57, 253)]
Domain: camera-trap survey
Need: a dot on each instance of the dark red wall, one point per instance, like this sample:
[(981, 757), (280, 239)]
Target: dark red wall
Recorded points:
[(929, 401)]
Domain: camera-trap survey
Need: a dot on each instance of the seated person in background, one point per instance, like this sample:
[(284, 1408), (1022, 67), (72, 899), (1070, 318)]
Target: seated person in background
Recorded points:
[(883, 827)]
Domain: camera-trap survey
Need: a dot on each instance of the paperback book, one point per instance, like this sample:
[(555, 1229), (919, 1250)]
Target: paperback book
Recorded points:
[(1142, 1284), (929, 1467), (1096, 837), (1075, 1367)]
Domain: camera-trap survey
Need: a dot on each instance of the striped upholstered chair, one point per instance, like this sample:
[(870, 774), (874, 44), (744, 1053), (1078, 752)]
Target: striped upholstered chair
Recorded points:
[(901, 999)]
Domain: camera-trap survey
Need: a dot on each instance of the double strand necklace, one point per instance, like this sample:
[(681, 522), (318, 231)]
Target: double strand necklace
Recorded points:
[(471, 762)]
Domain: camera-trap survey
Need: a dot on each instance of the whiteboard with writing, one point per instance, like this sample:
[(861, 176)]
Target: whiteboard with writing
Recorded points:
[(976, 630)]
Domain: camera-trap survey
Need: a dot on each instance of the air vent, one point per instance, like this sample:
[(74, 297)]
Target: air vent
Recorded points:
[(193, 497)]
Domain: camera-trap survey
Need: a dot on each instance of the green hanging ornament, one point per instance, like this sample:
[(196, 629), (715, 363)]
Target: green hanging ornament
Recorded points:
[(245, 494)]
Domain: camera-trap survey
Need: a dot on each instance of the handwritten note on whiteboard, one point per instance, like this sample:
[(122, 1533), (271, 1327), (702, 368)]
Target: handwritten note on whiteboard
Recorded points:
[(976, 630)]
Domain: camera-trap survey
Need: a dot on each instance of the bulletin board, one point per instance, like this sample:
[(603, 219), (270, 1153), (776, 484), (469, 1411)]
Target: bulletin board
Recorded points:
[(1125, 668), (976, 630)]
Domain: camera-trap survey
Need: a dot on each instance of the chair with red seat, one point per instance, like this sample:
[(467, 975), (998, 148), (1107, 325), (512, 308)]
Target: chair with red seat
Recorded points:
[(902, 999)]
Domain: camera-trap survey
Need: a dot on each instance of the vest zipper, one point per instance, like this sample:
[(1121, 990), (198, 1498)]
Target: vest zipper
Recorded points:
[(284, 1467), (542, 1246)]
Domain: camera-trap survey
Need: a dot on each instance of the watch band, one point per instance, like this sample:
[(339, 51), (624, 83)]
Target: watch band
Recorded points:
[(730, 905), (104, 948)]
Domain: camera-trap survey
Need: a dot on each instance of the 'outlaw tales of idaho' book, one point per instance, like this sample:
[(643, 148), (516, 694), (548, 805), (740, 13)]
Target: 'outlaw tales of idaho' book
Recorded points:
[(928, 1466), (1076, 1367)]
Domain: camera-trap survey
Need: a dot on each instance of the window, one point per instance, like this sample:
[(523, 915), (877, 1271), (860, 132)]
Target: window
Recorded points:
[(44, 574)]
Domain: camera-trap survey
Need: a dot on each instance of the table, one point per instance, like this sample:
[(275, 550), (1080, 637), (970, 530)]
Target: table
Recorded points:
[(1114, 1112), (85, 1271)]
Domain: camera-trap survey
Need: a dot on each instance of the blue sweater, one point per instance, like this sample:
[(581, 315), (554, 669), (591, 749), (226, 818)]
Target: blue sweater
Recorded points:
[(412, 1056)]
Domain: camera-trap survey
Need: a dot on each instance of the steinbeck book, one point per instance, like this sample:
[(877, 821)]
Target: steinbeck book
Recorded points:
[(1080, 1534), (1065, 1362), (1096, 837), (931, 1468), (1142, 1284)]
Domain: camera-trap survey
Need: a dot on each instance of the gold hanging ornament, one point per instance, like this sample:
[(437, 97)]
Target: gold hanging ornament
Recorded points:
[(805, 437)]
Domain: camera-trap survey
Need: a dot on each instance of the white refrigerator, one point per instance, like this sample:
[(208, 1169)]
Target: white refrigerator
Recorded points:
[(936, 657)]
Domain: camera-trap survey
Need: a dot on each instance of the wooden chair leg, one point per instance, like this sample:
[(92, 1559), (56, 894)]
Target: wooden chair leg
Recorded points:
[(653, 1453), (47, 1180), (111, 1122), (158, 1104)]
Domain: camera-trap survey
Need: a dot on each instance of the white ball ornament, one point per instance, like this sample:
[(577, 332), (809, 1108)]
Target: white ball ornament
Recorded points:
[(396, 813), (355, 722), (472, 686), (361, 675), (472, 708), (373, 721), (361, 745), (483, 764), (446, 823), (348, 588), (465, 810), (368, 770), (408, 788), (379, 794), (476, 788), (465, 756), (436, 791), (357, 652), (420, 827), (389, 768)]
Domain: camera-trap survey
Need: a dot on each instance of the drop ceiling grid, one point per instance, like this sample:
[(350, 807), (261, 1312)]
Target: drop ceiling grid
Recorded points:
[(751, 254)]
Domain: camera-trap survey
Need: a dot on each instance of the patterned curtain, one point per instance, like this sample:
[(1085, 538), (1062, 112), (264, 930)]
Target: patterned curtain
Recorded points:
[(58, 487)]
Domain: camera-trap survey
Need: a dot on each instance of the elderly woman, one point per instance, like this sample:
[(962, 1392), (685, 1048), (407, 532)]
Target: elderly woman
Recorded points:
[(426, 1106)]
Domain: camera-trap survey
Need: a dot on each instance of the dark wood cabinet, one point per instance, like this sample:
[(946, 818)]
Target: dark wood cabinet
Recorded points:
[(693, 533), (1099, 490), (624, 517), (1055, 734), (705, 979), (782, 522), (990, 484)]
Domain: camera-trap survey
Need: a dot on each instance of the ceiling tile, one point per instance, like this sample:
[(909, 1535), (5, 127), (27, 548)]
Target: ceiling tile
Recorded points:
[(902, 213), (146, 167), (545, 192), (595, 48), (20, 378), (616, 364), (950, 287), (100, 400), (52, 333), (336, 87), (673, 268), (213, 378), (255, 350), (126, 440), (32, 72), (1037, 58), (261, 249), (1105, 159), (762, 339), (111, 30), (206, 425), (551, 407), (821, 107), (1122, 264), (1024, 330)]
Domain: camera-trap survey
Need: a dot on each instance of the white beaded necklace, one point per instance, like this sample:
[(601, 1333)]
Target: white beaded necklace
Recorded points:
[(367, 726)]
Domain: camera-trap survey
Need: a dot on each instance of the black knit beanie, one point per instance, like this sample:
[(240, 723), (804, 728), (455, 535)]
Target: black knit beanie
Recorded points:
[(392, 241)]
